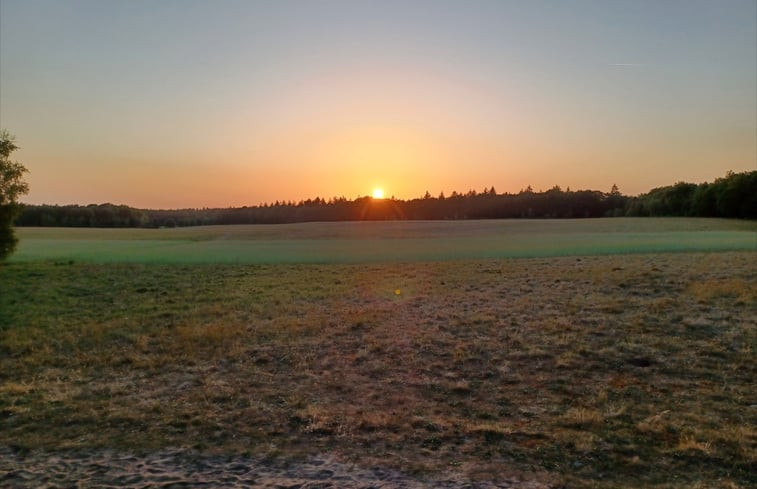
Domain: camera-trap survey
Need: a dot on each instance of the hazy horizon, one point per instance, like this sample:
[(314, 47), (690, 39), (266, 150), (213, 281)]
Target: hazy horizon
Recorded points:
[(367, 195), (187, 104)]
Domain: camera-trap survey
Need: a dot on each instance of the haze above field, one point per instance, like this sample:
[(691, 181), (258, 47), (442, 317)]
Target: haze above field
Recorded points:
[(195, 104)]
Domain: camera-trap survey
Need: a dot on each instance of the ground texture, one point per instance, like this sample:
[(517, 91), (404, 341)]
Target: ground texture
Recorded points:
[(614, 371), (186, 469)]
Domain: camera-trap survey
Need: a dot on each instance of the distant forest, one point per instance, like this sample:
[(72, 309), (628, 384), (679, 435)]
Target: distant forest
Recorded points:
[(734, 195)]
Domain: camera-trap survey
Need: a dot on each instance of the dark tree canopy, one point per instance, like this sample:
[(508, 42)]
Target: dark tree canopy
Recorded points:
[(735, 195), (12, 186)]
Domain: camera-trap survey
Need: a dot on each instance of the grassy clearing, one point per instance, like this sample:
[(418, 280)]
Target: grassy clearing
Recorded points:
[(614, 371), (377, 242)]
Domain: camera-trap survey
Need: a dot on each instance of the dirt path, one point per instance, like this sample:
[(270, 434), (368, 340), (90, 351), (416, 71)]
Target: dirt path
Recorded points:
[(184, 469)]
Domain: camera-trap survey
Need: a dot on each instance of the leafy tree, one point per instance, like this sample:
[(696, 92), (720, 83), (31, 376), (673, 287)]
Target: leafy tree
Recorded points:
[(735, 195), (704, 201), (12, 186)]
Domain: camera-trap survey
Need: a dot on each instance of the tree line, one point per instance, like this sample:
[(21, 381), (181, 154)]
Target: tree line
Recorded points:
[(734, 195)]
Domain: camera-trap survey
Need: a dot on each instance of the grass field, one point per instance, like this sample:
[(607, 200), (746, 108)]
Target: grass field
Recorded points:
[(602, 370), (363, 242)]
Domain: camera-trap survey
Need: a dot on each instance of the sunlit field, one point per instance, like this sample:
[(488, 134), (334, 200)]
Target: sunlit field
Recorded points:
[(364, 242), (602, 353), (346, 244)]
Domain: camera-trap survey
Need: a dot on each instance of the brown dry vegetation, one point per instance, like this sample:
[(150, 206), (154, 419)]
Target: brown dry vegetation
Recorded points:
[(621, 371)]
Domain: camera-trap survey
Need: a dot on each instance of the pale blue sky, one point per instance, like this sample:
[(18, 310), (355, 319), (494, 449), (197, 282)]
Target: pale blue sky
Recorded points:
[(173, 103)]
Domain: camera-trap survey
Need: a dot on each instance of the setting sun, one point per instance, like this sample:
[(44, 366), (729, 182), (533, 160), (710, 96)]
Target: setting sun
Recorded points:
[(378, 193)]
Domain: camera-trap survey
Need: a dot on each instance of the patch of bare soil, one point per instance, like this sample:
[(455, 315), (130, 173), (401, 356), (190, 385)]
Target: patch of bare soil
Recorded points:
[(181, 468)]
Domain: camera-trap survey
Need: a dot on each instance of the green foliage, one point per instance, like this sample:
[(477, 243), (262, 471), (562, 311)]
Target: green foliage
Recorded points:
[(12, 186), (102, 215), (735, 195)]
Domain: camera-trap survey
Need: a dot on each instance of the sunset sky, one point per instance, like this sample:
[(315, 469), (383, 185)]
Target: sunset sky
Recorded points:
[(180, 103)]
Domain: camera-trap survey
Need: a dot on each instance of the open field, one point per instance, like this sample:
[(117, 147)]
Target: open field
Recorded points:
[(375, 242), (592, 371)]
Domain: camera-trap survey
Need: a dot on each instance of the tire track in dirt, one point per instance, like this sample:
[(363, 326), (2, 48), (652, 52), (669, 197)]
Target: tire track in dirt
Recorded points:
[(186, 469)]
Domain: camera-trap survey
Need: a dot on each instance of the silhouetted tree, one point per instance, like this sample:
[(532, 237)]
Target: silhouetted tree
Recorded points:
[(615, 202), (732, 196), (12, 186)]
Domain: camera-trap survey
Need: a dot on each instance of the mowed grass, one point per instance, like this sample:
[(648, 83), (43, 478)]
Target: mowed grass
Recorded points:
[(377, 242), (592, 371)]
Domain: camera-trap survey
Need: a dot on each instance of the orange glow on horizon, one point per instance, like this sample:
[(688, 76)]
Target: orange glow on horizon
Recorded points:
[(378, 193)]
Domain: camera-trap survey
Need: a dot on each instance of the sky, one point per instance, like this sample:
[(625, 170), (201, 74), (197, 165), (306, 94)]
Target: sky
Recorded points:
[(184, 103)]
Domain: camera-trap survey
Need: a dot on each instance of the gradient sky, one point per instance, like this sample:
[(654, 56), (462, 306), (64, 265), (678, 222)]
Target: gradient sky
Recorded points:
[(179, 103)]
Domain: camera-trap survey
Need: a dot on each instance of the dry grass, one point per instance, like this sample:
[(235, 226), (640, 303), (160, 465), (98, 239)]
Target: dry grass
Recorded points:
[(687, 443), (736, 289), (625, 371)]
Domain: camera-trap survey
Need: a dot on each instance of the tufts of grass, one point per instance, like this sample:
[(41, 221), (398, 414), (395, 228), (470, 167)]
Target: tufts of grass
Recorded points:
[(739, 290), (582, 417), (598, 371), (687, 443)]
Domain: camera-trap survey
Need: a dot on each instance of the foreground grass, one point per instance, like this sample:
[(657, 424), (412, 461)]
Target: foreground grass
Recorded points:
[(622, 371)]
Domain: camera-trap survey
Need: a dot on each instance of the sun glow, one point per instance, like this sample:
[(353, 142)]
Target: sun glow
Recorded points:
[(378, 193)]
